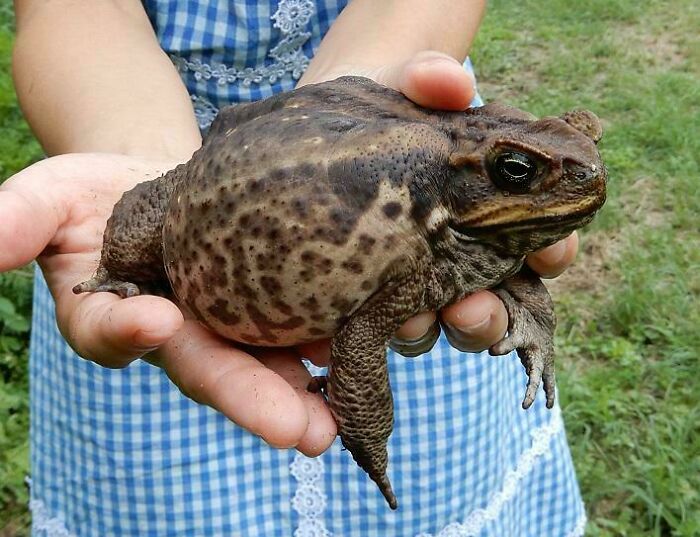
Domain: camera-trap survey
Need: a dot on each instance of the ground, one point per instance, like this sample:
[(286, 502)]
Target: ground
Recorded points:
[(629, 309)]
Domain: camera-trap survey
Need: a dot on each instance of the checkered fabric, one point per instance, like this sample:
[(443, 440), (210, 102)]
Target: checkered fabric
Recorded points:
[(124, 453)]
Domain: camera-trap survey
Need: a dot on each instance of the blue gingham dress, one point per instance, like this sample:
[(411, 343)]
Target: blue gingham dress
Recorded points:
[(124, 453)]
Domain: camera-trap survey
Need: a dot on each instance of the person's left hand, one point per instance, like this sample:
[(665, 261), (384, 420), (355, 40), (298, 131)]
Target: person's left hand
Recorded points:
[(436, 80)]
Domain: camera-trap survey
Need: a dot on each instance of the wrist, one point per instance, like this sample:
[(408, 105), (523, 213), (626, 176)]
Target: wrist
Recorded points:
[(369, 35), (168, 145)]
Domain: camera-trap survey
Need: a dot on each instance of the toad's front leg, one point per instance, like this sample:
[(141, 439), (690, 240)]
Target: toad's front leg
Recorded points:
[(531, 323), (358, 390)]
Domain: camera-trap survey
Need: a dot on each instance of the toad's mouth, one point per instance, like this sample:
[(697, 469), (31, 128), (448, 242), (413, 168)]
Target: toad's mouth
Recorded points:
[(556, 224), (522, 216)]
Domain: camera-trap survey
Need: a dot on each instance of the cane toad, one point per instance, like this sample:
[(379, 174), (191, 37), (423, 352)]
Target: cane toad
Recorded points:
[(342, 209)]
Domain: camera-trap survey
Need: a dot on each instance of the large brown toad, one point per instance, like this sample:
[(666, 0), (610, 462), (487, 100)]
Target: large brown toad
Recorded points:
[(341, 210)]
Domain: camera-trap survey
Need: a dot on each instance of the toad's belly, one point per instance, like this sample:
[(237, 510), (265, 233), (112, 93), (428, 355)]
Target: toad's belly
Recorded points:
[(270, 296)]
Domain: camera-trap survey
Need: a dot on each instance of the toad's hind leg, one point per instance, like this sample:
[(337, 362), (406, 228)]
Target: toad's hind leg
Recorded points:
[(132, 251), (358, 390)]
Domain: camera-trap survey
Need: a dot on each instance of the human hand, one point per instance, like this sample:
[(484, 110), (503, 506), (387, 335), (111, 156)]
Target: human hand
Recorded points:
[(56, 211), (438, 81)]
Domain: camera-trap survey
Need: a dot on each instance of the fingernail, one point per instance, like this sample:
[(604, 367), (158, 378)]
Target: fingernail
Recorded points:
[(471, 329), (149, 340), (462, 338)]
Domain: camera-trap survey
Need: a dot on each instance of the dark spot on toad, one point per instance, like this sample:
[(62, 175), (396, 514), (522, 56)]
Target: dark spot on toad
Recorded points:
[(301, 207), (265, 325), (282, 306), (310, 303), (306, 170), (343, 176), (220, 311), (352, 265), (341, 304), (271, 285), (392, 209), (245, 291), (366, 243), (205, 206), (279, 174)]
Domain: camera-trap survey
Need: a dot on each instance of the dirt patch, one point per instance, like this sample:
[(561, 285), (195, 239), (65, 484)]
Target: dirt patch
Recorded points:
[(594, 269), (662, 47), (665, 50)]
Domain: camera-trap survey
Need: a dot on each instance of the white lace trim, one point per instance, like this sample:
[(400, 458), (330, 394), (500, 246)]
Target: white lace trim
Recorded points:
[(477, 520), (309, 501), (44, 524), (291, 19), (204, 111), (580, 527)]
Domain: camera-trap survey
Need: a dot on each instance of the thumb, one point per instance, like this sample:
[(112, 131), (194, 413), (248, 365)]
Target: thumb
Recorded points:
[(28, 220), (431, 79)]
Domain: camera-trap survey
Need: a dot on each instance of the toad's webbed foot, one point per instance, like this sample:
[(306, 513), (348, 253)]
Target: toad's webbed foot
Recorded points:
[(103, 282), (531, 324)]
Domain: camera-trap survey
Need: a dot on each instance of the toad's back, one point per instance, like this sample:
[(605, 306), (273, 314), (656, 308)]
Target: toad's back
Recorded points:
[(296, 209)]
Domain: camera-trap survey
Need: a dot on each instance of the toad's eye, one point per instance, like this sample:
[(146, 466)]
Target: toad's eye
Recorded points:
[(514, 171)]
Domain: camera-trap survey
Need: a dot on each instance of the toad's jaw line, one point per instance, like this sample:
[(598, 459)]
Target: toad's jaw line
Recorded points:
[(517, 214)]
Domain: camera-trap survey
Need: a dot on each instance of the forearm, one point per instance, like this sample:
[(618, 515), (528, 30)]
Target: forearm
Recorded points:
[(371, 34), (90, 76)]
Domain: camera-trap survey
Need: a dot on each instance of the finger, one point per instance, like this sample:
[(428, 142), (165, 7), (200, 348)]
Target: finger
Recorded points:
[(415, 347), (416, 327), (211, 371), (318, 352), (417, 335), (550, 262), (28, 222), (113, 332), (476, 322), (322, 430), (431, 79)]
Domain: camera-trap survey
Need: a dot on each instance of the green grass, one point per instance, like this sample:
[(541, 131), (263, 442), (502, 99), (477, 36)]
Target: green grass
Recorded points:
[(628, 341), (629, 311)]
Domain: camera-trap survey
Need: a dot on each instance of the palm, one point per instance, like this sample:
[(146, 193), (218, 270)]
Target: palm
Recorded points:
[(56, 212)]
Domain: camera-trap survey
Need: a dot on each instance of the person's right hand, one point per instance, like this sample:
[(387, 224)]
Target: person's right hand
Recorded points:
[(55, 211)]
